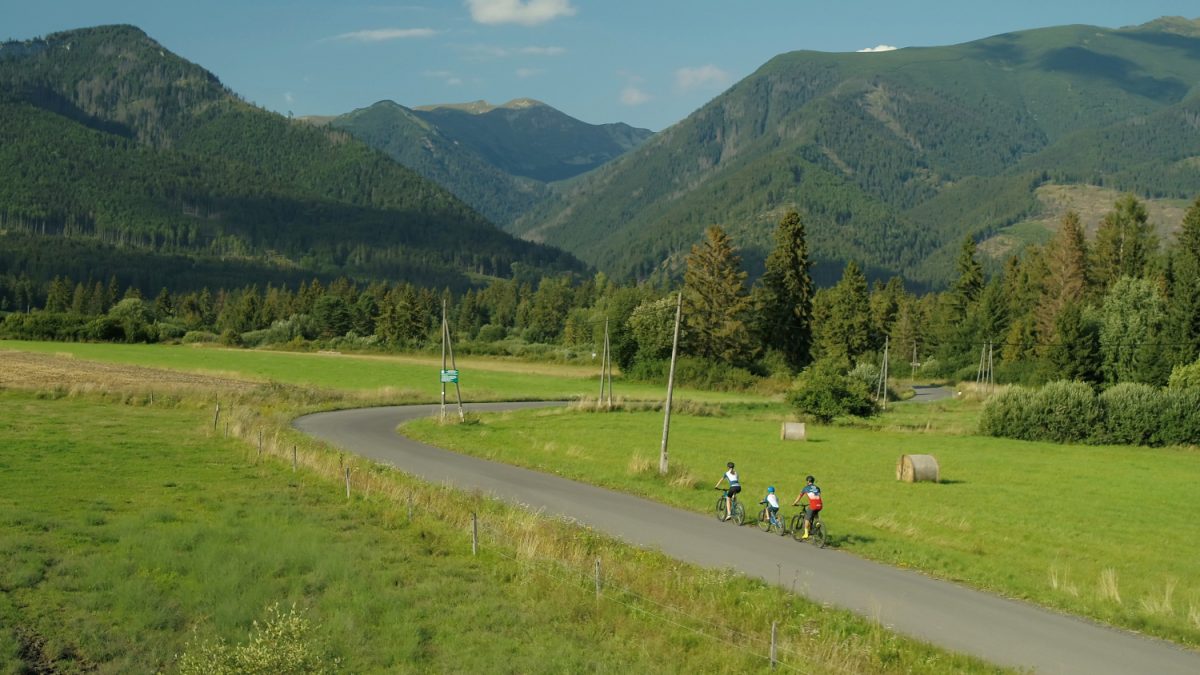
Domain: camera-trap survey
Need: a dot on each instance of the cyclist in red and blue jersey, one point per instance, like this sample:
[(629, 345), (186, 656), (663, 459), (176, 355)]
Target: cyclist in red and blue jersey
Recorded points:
[(813, 494)]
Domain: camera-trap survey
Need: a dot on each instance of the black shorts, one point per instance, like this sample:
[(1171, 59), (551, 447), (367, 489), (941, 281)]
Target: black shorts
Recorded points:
[(733, 490), (809, 513)]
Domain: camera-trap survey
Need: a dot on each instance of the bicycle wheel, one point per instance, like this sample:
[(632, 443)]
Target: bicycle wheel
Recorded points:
[(780, 526), (818, 537), (797, 528), (739, 513), (721, 509), (764, 521)]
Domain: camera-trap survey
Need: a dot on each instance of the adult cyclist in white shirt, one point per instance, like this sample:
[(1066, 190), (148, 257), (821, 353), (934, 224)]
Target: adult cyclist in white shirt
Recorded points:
[(735, 486)]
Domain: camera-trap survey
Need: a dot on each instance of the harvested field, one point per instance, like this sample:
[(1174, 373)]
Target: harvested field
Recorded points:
[(29, 370)]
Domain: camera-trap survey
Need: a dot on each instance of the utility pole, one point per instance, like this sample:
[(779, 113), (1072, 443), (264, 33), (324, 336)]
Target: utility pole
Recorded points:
[(452, 374), (662, 457), (881, 389)]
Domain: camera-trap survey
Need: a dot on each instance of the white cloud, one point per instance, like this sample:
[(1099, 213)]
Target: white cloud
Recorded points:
[(454, 81), (528, 72), (287, 96), (524, 12), (631, 95), (381, 34), (880, 48), (708, 76)]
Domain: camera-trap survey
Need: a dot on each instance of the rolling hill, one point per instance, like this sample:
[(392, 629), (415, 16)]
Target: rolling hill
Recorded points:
[(498, 159), (894, 157), (119, 157)]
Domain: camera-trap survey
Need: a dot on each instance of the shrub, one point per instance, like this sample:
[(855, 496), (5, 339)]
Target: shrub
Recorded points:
[(825, 391), (194, 336), (1067, 412), (283, 643), (1010, 414), (867, 373), (231, 338), (1185, 376), (1132, 412), (695, 372), (1179, 421), (491, 333)]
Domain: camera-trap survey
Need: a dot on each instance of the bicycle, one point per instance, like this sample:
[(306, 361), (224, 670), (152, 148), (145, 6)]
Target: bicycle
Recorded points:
[(765, 524), (817, 535), (736, 508)]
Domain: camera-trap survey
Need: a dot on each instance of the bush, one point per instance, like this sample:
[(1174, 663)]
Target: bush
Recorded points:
[(195, 336), (231, 338), (1179, 422), (695, 372), (1067, 412), (1132, 413), (283, 643), (1010, 414), (825, 391), (491, 333), (1185, 376)]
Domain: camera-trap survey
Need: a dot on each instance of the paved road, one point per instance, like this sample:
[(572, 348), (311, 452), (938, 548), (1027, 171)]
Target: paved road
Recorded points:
[(928, 393), (1002, 631)]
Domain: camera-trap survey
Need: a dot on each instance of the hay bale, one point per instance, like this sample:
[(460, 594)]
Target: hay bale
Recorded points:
[(792, 431), (917, 468)]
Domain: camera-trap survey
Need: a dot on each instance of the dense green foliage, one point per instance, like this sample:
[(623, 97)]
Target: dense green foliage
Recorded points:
[(129, 157), (825, 391), (892, 158)]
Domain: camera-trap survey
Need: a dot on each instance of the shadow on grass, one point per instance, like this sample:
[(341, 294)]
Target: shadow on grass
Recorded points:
[(950, 481)]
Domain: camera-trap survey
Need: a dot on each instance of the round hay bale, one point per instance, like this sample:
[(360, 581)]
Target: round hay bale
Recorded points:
[(792, 431), (917, 469)]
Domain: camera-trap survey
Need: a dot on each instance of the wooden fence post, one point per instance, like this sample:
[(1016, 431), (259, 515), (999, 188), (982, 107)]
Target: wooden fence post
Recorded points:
[(293, 459), (774, 629), (347, 482), (474, 534), (216, 416), (597, 578)]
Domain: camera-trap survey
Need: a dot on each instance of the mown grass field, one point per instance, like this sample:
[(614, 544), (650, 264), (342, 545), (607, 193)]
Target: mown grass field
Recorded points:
[(416, 376), (129, 531), (1106, 532)]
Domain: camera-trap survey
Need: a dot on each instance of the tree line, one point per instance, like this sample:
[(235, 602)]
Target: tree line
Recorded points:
[(1103, 310)]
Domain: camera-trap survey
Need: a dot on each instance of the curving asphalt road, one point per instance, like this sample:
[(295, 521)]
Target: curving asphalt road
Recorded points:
[(928, 393), (1002, 631)]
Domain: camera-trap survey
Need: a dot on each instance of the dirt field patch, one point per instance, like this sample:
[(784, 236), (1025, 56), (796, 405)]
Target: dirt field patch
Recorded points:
[(28, 370)]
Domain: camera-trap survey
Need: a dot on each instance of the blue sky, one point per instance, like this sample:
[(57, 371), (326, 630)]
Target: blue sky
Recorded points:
[(646, 62)]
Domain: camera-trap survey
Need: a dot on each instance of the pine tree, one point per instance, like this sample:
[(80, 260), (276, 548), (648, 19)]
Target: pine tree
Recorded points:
[(1074, 355), (1131, 317), (58, 297), (843, 328), (969, 283), (716, 303), (1066, 279), (784, 294), (1124, 242), (1183, 320)]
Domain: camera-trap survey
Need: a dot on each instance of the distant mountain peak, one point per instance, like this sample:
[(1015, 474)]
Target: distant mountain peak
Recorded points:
[(1173, 24), (481, 106)]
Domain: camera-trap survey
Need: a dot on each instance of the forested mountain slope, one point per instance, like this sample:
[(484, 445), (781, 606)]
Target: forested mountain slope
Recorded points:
[(894, 157), (119, 157), (498, 159)]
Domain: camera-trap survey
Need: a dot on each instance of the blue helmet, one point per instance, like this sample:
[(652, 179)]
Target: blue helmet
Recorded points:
[(771, 489)]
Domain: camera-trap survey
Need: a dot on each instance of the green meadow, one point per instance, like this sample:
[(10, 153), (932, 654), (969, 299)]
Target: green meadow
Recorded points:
[(132, 535), (1106, 532), (481, 379)]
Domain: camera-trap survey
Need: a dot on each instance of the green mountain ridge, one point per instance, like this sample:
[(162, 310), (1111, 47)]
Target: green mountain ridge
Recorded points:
[(499, 159), (894, 157), (111, 144)]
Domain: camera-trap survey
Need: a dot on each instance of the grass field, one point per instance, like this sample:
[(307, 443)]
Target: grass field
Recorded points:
[(129, 532), (1106, 532), (414, 376)]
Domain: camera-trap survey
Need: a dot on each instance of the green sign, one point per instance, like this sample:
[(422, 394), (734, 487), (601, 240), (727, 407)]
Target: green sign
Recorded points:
[(450, 376)]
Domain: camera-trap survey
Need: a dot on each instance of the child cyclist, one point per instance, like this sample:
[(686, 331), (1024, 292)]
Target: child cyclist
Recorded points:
[(813, 508), (772, 503), (735, 486)]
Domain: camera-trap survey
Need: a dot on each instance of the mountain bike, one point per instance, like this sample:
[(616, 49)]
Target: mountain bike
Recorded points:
[(817, 535), (738, 511), (765, 524)]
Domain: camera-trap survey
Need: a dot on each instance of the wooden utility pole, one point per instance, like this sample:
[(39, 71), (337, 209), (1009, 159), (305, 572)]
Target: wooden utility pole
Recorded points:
[(452, 374), (445, 333), (881, 387), (604, 368), (662, 457)]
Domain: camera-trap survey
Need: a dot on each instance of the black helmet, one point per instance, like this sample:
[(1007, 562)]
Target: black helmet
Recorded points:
[(730, 465), (809, 479)]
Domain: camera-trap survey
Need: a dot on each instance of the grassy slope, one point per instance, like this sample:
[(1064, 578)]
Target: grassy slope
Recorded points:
[(1031, 520), (125, 527), (481, 379)]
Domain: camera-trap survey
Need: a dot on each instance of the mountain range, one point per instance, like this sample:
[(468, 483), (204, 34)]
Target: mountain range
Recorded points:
[(120, 158), (498, 159), (894, 157)]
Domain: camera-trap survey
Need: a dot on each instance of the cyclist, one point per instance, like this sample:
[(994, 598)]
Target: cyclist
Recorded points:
[(813, 508), (735, 487), (772, 503)]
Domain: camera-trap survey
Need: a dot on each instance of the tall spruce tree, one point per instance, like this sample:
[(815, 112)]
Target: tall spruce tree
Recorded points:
[(969, 283), (844, 312), (1074, 354), (1066, 278), (784, 294), (1124, 242), (1183, 313), (716, 303)]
